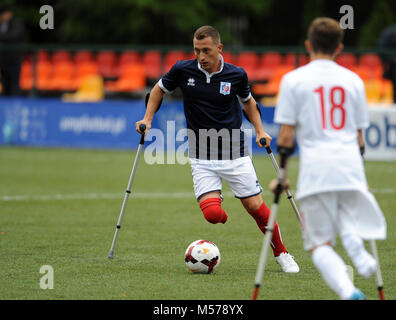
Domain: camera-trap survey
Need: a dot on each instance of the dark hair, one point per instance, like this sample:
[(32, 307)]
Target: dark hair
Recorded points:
[(5, 8), (207, 31), (325, 34)]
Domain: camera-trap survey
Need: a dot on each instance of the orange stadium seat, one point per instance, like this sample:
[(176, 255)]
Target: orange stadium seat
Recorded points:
[(267, 63), (26, 76), (248, 60), (228, 57), (132, 78), (370, 60), (373, 63), (272, 87), (291, 59), (367, 73), (107, 63), (43, 75), (272, 59), (63, 77), (280, 71), (128, 57), (83, 56), (84, 69), (152, 61), (61, 56), (42, 55), (347, 60), (171, 58), (362, 71)]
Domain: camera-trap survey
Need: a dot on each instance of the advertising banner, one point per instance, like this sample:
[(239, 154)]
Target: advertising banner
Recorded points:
[(107, 124), (380, 136), (111, 124)]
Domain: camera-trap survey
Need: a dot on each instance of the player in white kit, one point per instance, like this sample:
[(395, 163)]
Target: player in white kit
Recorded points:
[(325, 104)]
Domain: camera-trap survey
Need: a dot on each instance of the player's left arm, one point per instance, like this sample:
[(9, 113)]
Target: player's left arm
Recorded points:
[(253, 114), (285, 148), (286, 136), (285, 142)]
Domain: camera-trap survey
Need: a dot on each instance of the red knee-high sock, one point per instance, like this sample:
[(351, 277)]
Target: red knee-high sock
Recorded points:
[(212, 210), (261, 215)]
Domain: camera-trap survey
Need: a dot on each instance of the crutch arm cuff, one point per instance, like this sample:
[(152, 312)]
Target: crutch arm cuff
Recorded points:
[(141, 139), (362, 150), (284, 154)]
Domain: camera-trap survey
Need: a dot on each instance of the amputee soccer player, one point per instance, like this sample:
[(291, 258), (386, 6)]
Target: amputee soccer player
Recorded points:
[(326, 105), (217, 146)]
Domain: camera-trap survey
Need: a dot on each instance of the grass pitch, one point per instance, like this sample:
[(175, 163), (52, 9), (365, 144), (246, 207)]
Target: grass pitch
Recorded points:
[(59, 207)]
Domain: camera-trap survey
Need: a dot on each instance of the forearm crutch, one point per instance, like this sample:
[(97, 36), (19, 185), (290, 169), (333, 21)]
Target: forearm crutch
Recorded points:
[(142, 128), (269, 230), (378, 275), (288, 193)]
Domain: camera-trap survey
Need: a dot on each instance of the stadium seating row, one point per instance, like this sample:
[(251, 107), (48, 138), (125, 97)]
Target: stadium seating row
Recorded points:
[(128, 71)]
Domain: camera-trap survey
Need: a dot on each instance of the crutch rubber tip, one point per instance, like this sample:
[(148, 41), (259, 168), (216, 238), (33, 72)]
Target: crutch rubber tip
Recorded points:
[(142, 127), (381, 293), (111, 254), (255, 292)]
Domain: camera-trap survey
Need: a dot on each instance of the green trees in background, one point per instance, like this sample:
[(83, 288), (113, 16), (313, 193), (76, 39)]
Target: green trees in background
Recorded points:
[(383, 15), (241, 23)]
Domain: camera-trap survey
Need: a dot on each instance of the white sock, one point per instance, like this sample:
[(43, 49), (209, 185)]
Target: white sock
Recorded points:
[(333, 270), (363, 261)]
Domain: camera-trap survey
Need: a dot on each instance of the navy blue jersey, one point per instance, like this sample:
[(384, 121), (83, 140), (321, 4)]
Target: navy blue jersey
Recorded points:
[(211, 107)]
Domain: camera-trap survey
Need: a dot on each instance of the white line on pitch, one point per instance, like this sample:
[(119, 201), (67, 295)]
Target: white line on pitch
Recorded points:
[(89, 196), (139, 195)]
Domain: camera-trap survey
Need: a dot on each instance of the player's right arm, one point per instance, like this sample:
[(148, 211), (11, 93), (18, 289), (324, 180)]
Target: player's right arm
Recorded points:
[(166, 84), (362, 118), (153, 104)]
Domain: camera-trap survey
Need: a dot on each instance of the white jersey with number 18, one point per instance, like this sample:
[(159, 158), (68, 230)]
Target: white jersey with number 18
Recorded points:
[(327, 105)]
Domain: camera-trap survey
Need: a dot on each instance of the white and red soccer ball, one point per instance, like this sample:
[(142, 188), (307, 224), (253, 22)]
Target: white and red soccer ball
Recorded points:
[(202, 256)]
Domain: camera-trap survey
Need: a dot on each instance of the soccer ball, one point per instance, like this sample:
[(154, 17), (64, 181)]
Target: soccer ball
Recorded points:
[(202, 256)]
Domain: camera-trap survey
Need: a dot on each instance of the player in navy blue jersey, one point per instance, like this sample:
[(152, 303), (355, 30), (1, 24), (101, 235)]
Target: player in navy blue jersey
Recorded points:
[(212, 93)]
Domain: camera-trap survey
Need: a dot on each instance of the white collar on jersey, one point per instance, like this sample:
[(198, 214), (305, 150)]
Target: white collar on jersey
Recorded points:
[(328, 61), (209, 75)]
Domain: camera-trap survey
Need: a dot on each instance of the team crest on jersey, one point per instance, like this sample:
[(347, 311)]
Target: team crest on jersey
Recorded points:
[(191, 82), (225, 88)]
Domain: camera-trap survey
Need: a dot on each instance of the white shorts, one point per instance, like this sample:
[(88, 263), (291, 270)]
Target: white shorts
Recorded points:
[(239, 174), (328, 214)]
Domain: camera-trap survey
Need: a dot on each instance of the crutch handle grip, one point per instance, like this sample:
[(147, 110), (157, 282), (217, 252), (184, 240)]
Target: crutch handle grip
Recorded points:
[(263, 142), (142, 127)]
